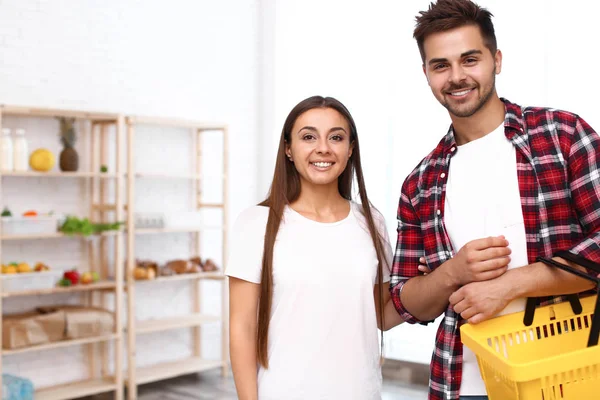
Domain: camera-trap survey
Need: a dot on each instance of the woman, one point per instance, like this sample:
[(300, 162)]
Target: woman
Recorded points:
[(308, 269)]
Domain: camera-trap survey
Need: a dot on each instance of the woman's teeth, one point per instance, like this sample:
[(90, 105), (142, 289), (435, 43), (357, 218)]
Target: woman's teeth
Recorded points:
[(322, 164)]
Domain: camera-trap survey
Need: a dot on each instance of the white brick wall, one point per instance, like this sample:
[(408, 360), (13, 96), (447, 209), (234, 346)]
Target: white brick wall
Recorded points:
[(190, 59)]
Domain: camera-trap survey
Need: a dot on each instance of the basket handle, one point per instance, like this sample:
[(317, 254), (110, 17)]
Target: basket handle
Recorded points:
[(567, 255)]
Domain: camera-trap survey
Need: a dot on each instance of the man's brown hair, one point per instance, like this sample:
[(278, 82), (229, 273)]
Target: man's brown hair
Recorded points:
[(445, 15)]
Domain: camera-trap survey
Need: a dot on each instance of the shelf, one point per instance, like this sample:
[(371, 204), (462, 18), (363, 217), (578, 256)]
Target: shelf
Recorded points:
[(181, 123), (48, 112), (174, 368), (53, 236), (59, 289), (62, 343), (184, 277), (76, 389), (211, 205), (151, 231), (158, 175), (58, 174), (165, 324)]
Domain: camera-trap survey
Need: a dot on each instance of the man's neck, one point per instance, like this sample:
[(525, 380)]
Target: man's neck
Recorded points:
[(484, 121)]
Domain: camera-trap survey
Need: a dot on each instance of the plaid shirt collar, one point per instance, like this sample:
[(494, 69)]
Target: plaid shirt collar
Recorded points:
[(514, 129)]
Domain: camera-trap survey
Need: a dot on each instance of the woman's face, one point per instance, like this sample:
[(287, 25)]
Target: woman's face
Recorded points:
[(320, 146)]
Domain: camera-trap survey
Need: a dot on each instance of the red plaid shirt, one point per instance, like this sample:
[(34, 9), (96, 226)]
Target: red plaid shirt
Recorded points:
[(558, 165)]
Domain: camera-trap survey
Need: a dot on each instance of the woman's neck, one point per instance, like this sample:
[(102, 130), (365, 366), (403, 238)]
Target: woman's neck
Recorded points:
[(321, 204)]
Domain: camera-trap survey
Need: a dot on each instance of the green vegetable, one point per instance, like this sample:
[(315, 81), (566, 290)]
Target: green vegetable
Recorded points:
[(74, 226), (6, 212), (104, 168), (64, 282)]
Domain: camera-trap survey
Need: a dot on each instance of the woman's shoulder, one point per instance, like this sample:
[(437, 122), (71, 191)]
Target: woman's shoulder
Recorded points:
[(378, 217), (254, 216)]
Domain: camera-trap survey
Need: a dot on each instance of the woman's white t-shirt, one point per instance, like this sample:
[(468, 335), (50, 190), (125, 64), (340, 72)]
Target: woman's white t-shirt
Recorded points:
[(323, 336)]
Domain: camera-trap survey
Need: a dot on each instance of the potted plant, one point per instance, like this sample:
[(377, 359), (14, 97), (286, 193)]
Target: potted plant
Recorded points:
[(69, 159)]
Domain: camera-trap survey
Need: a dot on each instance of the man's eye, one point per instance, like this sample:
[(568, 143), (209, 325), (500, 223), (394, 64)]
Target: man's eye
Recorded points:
[(439, 66), (471, 60)]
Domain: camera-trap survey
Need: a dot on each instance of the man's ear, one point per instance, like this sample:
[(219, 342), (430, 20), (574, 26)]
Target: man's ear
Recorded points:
[(498, 62), (425, 73)]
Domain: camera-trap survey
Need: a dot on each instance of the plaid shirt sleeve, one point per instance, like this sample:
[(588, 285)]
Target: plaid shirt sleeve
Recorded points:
[(584, 178), (409, 248)]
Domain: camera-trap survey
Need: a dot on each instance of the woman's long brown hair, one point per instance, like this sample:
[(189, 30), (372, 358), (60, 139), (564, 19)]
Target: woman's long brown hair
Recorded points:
[(285, 189)]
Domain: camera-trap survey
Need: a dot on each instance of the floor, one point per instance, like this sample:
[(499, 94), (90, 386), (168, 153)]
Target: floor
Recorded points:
[(210, 385)]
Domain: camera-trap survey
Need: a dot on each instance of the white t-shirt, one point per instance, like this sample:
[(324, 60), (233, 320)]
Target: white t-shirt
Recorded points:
[(483, 199), (323, 336)]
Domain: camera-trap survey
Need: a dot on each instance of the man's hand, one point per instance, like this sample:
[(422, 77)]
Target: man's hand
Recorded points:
[(480, 260), (479, 301)]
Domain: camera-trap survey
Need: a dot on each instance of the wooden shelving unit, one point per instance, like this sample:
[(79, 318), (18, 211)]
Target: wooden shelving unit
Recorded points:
[(140, 375), (112, 198), (97, 125)]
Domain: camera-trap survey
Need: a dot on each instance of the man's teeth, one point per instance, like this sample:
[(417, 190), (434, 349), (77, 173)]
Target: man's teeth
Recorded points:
[(322, 164), (461, 93)]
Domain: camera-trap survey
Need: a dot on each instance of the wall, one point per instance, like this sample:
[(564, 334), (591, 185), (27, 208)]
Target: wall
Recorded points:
[(364, 55), (189, 59)]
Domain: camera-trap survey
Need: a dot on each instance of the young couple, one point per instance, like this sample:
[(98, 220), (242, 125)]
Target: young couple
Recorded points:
[(312, 274)]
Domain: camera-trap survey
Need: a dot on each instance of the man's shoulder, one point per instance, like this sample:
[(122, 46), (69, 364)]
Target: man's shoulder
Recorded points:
[(534, 116)]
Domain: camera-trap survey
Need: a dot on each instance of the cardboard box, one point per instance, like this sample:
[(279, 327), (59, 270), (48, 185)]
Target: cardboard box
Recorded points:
[(30, 329), (83, 322), (55, 323)]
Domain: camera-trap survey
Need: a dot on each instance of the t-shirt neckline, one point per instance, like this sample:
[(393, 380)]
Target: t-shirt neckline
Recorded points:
[(297, 215)]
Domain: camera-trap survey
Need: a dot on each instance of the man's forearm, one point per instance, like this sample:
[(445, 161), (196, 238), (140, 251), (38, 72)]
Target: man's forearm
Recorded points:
[(426, 297), (539, 280)]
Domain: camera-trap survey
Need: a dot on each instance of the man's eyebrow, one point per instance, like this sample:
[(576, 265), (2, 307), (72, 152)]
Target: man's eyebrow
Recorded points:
[(463, 55)]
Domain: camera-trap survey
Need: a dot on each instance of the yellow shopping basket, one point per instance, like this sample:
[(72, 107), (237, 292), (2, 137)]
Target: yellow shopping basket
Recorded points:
[(554, 357)]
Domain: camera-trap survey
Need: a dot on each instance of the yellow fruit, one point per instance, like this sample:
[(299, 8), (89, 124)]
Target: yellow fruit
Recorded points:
[(23, 267), (41, 160), (10, 269)]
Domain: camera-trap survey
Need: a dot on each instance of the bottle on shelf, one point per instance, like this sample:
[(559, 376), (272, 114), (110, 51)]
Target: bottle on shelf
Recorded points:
[(6, 151), (21, 151)]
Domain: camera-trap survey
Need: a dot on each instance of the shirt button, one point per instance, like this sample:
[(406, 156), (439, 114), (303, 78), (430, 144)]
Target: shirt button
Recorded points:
[(439, 212), (443, 175), (453, 148)]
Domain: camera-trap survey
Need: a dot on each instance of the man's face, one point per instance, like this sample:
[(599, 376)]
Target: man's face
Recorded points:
[(460, 69)]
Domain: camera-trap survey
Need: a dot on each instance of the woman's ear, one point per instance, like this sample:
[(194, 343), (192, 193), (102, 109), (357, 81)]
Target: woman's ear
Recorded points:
[(351, 150), (288, 152)]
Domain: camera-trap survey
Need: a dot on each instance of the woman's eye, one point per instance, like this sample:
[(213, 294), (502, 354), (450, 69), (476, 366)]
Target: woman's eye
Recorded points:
[(308, 137), (337, 138)]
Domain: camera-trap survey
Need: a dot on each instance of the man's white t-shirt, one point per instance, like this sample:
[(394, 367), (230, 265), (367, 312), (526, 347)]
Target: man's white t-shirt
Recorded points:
[(323, 336), (483, 199)]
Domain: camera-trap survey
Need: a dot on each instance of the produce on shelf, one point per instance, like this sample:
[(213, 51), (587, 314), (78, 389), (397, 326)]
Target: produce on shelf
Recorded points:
[(145, 270), (42, 160), (41, 267), (84, 227), (68, 159), (70, 277), (89, 277), (6, 212), (181, 267), (23, 267), (30, 213), (9, 269), (210, 266)]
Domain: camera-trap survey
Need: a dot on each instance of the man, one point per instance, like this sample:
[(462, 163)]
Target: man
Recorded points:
[(505, 185)]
